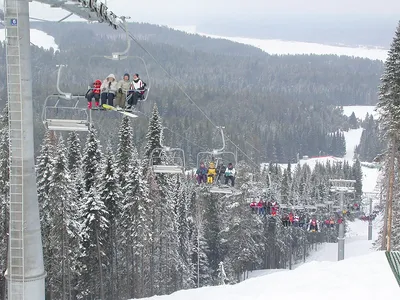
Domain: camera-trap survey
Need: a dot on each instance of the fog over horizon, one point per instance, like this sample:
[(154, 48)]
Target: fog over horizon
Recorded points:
[(356, 22)]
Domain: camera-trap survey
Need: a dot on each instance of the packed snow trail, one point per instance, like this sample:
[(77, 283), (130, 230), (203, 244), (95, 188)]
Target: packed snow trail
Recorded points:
[(367, 277), (356, 242)]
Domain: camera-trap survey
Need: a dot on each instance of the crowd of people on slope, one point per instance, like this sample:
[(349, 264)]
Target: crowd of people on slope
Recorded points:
[(212, 173), (123, 94)]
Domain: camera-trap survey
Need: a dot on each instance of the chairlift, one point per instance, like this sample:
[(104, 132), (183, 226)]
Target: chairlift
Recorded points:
[(119, 56), (173, 165), (217, 154), (51, 112)]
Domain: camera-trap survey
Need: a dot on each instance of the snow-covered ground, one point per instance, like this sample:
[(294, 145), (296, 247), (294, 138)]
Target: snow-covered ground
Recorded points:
[(356, 242), (38, 38), (360, 111), (367, 277), (273, 46), (364, 274)]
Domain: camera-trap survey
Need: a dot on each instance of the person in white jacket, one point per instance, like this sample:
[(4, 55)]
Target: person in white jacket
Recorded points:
[(138, 88), (230, 174), (108, 90)]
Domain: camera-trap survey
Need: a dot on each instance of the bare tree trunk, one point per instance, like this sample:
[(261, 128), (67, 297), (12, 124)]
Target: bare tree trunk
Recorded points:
[(102, 297), (389, 202)]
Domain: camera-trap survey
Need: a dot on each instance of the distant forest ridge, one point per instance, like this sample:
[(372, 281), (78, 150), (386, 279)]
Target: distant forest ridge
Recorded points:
[(352, 30)]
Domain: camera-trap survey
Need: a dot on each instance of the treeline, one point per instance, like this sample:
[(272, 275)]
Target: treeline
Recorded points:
[(112, 229), (370, 144)]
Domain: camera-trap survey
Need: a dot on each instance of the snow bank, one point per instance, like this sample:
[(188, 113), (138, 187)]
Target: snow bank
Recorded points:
[(279, 47), (366, 277), (38, 38)]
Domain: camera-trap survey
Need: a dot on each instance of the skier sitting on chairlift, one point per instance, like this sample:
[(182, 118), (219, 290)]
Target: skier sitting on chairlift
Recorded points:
[(220, 171), (230, 175), (108, 90), (211, 173), (274, 208), (253, 206), (201, 173), (123, 87), (94, 92), (313, 225), (137, 90)]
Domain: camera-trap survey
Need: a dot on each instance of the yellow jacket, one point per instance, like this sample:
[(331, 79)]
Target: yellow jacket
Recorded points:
[(211, 170)]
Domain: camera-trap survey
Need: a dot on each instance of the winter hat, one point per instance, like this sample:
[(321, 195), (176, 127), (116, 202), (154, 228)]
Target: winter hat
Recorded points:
[(126, 74), (111, 76)]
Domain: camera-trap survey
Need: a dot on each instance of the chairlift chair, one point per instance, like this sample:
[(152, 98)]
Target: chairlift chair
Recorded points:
[(173, 165), (82, 123), (217, 154), (119, 56)]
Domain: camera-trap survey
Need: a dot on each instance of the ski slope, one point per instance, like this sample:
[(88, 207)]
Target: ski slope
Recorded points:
[(356, 242), (38, 38), (367, 277), (352, 137), (364, 274)]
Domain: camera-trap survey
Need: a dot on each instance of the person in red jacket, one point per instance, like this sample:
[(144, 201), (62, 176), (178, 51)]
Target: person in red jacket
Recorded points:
[(94, 92)]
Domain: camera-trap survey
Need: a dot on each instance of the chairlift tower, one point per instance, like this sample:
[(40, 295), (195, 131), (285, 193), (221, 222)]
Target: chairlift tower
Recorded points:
[(25, 271), (370, 196), (341, 187)]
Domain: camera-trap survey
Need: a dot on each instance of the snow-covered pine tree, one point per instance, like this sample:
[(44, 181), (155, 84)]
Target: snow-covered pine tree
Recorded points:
[(167, 237), (92, 250), (91, 161), (201, 267), (4, 193), (74, 155), (110, 194), (136, 233), (184, 217), (44, 169), (124, 151), (353, 122), (61, 243), (154, 138), (389, 109)]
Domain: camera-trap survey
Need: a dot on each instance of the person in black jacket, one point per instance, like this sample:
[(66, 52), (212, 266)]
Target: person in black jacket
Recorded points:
[(220, 171)]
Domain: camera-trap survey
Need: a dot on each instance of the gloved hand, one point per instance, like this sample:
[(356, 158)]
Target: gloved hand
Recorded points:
[(120, 90)]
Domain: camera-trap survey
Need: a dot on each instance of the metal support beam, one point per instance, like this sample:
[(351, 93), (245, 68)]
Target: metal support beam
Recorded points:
[(25, 273), (370, 220), (90, 10), (342, 187)]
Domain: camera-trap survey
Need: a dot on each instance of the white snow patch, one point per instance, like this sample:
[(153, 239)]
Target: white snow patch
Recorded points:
[(352, 137), (354, 278), (360, 111), (356, 242), (280, 47), (38, 38)]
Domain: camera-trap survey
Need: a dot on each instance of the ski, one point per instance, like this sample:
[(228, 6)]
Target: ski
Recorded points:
[(109, 107)]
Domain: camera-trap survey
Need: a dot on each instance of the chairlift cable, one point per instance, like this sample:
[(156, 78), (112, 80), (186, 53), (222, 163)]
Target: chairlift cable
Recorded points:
[(180, 87)]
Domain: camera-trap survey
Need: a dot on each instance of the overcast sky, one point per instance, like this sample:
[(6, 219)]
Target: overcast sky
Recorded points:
[(186, 12)]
